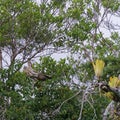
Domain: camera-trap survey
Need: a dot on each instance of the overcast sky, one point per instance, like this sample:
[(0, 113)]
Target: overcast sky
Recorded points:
[(113, 19)]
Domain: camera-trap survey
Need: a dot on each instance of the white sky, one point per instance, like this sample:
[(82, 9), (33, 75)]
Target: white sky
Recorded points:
[(114, 19)]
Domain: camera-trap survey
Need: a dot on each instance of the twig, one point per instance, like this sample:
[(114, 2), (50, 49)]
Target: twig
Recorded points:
[(82, 104), (84, 98), (58, 109), (93, 108)]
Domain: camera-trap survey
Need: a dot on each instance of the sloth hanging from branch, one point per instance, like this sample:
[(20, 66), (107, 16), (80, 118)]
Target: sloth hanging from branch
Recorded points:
[(33, 74)]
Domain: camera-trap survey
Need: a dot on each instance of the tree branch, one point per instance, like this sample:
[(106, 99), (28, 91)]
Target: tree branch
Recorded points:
[(108, 110)]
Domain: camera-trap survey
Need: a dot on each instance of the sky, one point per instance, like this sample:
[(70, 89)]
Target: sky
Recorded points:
[(114, 19)]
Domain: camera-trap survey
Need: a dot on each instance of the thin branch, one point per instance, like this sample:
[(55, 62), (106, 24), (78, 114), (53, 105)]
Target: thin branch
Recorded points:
[(82, 104), (107, 110), (58, 109), (95, 115)]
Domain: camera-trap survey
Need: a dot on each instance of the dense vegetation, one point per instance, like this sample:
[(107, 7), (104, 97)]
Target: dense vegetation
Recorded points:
[(31, 31)]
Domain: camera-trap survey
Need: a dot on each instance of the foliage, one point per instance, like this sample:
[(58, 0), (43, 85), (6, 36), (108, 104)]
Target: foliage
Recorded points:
[(28, 30)]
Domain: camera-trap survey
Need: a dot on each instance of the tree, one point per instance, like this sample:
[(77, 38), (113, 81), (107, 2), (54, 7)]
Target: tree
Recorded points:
[(28, 30)]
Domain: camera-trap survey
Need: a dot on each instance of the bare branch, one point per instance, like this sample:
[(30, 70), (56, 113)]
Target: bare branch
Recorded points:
[(58, 109), (108, 110)]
